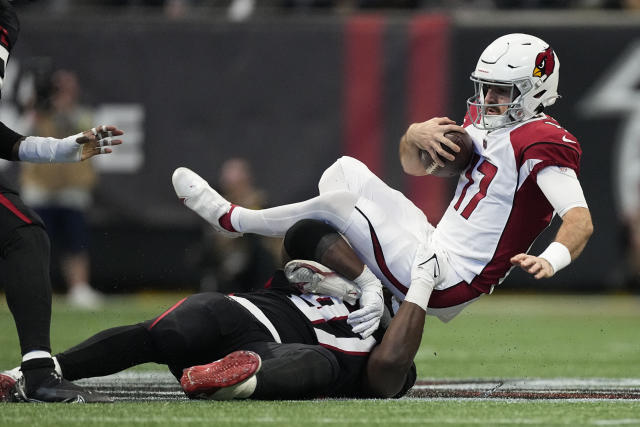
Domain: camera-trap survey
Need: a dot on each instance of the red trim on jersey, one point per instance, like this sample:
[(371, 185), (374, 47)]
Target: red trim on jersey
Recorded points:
[(363, 76), (7, 204), (318, 321), (167, 312), (268, 284), (455, 295), (379, 255), (353, 353)]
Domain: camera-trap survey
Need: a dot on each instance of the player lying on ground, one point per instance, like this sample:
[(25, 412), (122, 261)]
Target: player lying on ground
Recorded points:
[(273, 344)]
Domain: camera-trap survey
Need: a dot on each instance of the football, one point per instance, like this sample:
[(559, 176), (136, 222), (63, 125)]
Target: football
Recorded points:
[(454, 167)]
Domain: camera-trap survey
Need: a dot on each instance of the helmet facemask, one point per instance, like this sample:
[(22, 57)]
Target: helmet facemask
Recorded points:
[(514, 113)]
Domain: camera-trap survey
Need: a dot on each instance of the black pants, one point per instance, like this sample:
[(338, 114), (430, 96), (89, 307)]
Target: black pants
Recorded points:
[(25, 278), (203, 328)]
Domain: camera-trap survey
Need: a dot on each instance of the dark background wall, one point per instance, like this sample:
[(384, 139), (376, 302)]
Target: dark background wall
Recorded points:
[(280, 92)]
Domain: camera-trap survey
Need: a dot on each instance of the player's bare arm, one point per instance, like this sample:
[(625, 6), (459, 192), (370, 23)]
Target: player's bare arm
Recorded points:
[(74, 148), (428, 136), (390, 361), (574, 233)]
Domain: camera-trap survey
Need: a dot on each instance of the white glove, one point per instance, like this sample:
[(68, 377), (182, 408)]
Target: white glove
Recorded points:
[(366, 320), (311, 277)]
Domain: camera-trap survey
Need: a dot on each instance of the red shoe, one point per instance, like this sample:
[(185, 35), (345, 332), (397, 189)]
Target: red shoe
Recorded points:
[(232, 377)]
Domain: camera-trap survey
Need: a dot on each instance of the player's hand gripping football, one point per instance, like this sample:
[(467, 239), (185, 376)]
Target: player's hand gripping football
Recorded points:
[(536, 266), (98, 140), (366, 320), (429, 136)]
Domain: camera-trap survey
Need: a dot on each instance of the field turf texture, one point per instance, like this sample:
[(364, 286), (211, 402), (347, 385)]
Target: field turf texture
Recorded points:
[(501, 337)]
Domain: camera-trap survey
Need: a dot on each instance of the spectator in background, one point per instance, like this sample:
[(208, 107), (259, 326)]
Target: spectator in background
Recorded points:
[(230, 265), (61, 193)]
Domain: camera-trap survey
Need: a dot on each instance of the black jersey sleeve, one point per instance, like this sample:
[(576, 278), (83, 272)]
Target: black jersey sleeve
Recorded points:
[(8, 139)]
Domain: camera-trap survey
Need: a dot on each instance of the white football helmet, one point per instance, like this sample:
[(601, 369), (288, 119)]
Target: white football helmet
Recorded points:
[(522, 63)]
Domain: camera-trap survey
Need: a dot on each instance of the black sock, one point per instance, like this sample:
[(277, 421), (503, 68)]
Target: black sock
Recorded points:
[(108, 352), (35, 372)]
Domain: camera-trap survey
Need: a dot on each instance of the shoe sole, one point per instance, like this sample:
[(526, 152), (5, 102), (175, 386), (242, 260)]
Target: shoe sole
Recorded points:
[(228, 371)]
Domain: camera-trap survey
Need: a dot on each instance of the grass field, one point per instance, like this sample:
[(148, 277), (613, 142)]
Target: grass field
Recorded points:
[(500, 336)]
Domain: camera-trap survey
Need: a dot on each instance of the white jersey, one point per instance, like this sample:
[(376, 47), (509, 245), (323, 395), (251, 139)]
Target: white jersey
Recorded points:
[(498, 210)]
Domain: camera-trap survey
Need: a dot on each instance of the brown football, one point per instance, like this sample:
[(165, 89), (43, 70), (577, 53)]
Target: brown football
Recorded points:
[(453, 167)]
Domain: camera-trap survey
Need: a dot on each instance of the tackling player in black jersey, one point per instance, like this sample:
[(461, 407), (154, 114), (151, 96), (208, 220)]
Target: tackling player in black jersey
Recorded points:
[(276, 343)]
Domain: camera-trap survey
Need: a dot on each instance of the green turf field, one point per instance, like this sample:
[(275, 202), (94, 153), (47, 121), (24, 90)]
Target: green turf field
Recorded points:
[(500, 336)]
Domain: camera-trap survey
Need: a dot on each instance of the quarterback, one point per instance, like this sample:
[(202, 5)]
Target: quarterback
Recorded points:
[(524, 169)]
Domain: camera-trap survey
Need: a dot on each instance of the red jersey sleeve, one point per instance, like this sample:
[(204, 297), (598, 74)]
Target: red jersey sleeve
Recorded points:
[(547, 142)]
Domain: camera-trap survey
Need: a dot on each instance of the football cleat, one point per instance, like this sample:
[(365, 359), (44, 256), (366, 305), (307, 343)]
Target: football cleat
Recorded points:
[(232, 377), (8, 380), (198, 196), (56, 389), (311, 277)]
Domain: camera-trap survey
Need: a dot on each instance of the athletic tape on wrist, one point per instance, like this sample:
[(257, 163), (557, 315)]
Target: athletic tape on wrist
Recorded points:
[(558, 256), (419, 293), (38, 149)]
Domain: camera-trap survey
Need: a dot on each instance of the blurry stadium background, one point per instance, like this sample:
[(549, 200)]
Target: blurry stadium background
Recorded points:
[(291, 85)]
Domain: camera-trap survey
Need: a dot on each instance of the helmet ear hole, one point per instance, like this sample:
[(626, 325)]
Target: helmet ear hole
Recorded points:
[(539, 94)]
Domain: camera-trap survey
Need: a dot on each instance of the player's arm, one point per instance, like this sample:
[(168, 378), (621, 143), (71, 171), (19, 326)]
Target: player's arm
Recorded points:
[(428, 136), (390, 361), (562, 189), (74, 148)]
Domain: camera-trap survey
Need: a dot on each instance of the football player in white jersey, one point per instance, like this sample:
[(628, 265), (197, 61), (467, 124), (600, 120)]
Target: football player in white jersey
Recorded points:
[(524, 169)]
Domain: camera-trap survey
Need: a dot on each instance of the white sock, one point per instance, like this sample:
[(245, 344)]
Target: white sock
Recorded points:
[(57, 366), (36, 354), (334, 208)]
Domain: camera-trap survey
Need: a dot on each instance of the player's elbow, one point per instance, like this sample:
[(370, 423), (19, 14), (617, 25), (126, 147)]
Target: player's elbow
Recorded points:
[(386, 374)]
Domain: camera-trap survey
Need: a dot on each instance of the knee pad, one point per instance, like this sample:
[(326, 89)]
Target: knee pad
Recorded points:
[(333, 178), (309, 239)]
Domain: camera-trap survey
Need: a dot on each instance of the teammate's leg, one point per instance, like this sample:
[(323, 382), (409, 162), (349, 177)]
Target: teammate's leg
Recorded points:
[(28, 287), (108, 352), (26, 259)]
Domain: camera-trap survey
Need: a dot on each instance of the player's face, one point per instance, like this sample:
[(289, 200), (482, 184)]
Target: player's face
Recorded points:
[(496, 94)]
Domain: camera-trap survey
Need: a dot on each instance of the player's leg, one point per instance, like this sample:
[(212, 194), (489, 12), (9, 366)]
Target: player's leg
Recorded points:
[(107, 352), (294, 371), (26, 259), (235, 220), (268, 371), (196, 330)]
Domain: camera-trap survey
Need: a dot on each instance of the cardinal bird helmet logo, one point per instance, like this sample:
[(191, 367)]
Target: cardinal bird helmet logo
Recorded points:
[(545, 63)]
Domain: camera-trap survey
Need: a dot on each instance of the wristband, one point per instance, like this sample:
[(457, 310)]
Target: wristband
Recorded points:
[(38, 149), (558, 256), (419, 293)]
